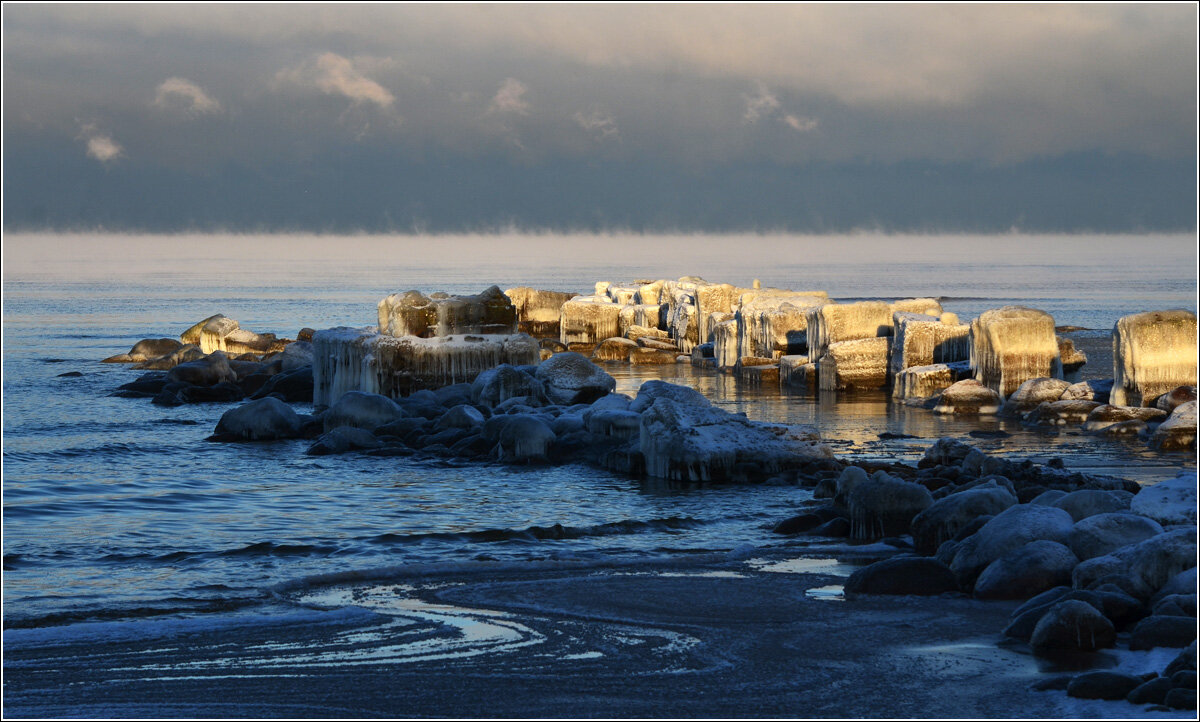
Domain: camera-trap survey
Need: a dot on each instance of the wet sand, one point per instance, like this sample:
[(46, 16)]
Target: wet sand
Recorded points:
[(727, 639)]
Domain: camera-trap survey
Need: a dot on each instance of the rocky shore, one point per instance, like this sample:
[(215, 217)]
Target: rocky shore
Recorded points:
[(1100, 562)]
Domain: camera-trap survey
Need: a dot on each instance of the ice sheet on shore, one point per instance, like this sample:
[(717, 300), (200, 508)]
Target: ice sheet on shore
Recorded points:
[(353, 359), (1011, 345), (1153, 353)]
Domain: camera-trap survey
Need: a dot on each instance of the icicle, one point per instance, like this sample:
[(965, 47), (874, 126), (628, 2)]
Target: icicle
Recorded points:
[(1153, 353), (1011, 345)]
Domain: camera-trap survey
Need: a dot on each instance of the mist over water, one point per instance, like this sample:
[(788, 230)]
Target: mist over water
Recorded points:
[(114, 506)]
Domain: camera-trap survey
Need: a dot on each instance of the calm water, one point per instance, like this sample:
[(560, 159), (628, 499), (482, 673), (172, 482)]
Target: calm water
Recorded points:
[(115, 507)]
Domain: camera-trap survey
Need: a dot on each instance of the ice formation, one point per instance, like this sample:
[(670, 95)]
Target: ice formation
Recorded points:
[(861, 363), (651, 315), (713, 298), (538, 311), (789, 370), (414, 314), (1011, 345), (633, 333), (923, 340), (923, 382), (589, 320), (772, 322), (351, 359), (614, 349), (725, 346), (1152, 354), (1178, 432), (221, 333), (922, 306), (685, 327), (836, 322)]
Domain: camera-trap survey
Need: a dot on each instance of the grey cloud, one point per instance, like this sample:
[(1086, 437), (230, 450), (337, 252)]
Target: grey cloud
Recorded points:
[(185, 95), (99, 145)]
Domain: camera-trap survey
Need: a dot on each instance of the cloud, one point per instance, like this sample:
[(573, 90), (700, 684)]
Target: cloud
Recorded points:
[(333, 74), (800, 123), (100, 146), (761, 104), (598, 122), (510, 98), (184, 94)]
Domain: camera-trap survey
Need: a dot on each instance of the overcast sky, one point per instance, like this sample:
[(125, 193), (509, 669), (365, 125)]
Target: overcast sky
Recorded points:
[(469, 117)]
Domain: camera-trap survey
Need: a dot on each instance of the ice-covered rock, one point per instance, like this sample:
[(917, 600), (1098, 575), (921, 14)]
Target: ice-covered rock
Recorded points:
[(570, 378), (261, 420), (836, 322), (922, 340), (653, 390), (184, 354), (589, 319), (1008, 531), (1156, 560), (1175, 397), (1011, 345), (653, 356), (861, 363), (918, 306), (1102, 534), (614, 349), (216, 326), (712, 298), (1090, 502), (968, 397), (348, 359), (208, 371), (923, 382), (1071, 358), (884, 506), (362, 410), (1060, 413), (725, 346), (538, 311), (622, 295), (343, 439), (901, 575), (1102, 417), (1178, 432), (1169, 502), (414, 314), (685, 326), (1153, 353), (946, 517), (775, 323), (789, 370), (1033, 392), (650, 315), (1024, 572), (1072, 626), (297, 355), (636, 332), (146, 350), (692, 442), (660, 344), (1093, 390), (462, 416), (524, 439), (649, 293)]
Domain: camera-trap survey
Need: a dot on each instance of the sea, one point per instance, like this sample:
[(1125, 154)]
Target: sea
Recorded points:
[(116, 509)]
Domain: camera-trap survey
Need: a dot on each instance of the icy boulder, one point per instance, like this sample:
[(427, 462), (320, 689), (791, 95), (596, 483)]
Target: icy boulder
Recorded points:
[(860, 364), (146, 350), (1108, 415), (685, 326), (1178, 432), (1169, 502), (524, 439), (885, 505), (725, 346), (692, 442), (614, 349), (261, 420), (297, 355), (654, 390), (650, 315), (775, 323), (1093, 390), (649, 293), (1022, 573), (1103, 534), (414, 314), (538, 311), (221, 333), (918, 306), (1176, 396), (589, 320), (494, 386), (1153, 353), (362, 410), (635, 332), (789, 371), (923, 382), (348, 359), (1033, 392), (712, 298), (183, 354), (922, 340), (1011, 345), (208, 371), (1007, 532), (943, 519), (570, 378), (836, 322), (1072, 359)]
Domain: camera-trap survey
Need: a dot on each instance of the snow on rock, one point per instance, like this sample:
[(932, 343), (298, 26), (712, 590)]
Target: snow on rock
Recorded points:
[(943, 519), (146, 350), (968, 397), (614, 349), (1103, 534), (725, 346), (861, 364), (570, 378), (1011, 345), (413, 314), (1178, 432), (1006, 532), (348, 359), (885, 505), (538, 311), (1033, 392), (589, 319), (1094, 390), (836, 322), (1168, 502), (693, 442), (1153, 353), (261, 420), (923, 340), (1034, 568), (923, 382), (1102, 417)]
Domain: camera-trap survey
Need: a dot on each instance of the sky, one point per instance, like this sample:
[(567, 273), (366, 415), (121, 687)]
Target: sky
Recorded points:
[(467, 118)]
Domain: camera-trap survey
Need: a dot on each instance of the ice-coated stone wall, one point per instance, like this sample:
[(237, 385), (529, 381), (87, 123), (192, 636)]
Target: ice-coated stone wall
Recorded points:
[(1011, 345), (538, 311), (355, 359), (1153, 353)]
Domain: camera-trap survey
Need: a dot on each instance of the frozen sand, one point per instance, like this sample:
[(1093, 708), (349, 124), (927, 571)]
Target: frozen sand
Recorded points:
[(729, 638)]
